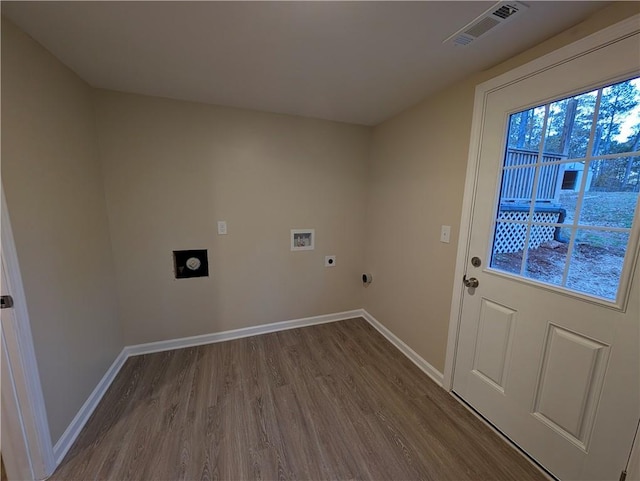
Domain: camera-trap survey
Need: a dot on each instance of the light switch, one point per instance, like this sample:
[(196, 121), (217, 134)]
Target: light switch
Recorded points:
[(445, 233), (222, 227)]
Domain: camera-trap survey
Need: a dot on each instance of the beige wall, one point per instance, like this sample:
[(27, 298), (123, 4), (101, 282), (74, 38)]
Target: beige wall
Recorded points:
[(53, 186), (416, 184), (172, 169)]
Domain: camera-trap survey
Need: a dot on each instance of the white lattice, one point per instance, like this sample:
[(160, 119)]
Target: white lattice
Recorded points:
[(510, 237)]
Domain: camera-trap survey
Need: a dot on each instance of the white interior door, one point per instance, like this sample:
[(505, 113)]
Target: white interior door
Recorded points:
[(26, 442), (548, 341), (15, 450)]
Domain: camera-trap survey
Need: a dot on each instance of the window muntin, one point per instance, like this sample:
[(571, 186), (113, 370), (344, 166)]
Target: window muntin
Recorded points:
[(571, 231)]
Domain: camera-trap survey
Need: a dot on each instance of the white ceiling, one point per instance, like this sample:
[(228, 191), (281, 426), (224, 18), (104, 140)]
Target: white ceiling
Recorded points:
[(359, 62)]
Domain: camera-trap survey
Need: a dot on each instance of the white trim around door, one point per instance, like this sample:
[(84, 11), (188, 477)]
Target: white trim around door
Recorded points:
[(30, 420)]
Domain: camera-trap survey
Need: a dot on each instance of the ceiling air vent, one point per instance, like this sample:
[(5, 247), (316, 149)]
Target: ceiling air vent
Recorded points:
[(499, 14)]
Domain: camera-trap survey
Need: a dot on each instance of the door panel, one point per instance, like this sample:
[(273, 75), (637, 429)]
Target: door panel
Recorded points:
[(556, 371), (570, 383), (494, 343)]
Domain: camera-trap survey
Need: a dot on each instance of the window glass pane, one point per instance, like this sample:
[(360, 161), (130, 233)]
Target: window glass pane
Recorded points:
[(596, 262), (618, 127), (568, 202), (516, 157), (547, 255), (508, 246), (514, 211), (525, 132), (569, 126), (549, 183), (611, 193), (517, 185)]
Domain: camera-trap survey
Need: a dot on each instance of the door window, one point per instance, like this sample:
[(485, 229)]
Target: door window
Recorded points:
[(569, 191)]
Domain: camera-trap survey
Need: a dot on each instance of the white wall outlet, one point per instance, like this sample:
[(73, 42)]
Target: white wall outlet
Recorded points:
[(445, 234), (329, 261), (222, 227)]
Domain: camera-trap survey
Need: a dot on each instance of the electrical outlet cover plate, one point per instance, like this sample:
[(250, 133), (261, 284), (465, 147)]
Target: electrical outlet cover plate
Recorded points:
[(445, 234), (329, 261)]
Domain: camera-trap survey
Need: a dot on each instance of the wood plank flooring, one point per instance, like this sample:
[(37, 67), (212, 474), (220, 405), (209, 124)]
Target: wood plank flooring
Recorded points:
[(330, 402)]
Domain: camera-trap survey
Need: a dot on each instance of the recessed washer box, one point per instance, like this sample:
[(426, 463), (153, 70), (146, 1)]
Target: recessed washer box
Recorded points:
[(190, 263)]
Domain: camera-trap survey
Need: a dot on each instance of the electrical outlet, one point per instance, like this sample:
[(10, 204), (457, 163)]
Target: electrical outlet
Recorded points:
[(329, 261), (222, 227), (445, 234)]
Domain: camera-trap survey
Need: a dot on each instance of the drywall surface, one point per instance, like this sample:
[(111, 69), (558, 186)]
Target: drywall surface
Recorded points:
[(172, 169), (53, 186), (416, 184)]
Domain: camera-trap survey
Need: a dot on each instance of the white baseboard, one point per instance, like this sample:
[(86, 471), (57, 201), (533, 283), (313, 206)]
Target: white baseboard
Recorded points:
[(203, 339), (73, 430), (413, 356)]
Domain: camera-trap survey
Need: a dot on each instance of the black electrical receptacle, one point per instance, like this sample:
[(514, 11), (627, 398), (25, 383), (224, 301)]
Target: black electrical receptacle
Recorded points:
[(190, 263)]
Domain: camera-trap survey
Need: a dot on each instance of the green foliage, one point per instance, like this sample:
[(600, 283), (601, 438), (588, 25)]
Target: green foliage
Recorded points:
[(617, 102), (578, 135), (616, 175), (570, 120)]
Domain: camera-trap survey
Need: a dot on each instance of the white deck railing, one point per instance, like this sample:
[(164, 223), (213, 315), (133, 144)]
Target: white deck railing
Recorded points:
[(517, 181)]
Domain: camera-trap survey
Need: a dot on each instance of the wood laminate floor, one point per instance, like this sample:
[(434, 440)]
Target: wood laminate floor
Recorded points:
[(334, 401)]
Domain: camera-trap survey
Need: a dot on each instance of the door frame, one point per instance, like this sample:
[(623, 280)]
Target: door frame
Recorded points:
[(564, 54), (28, 414), (633, 465)]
